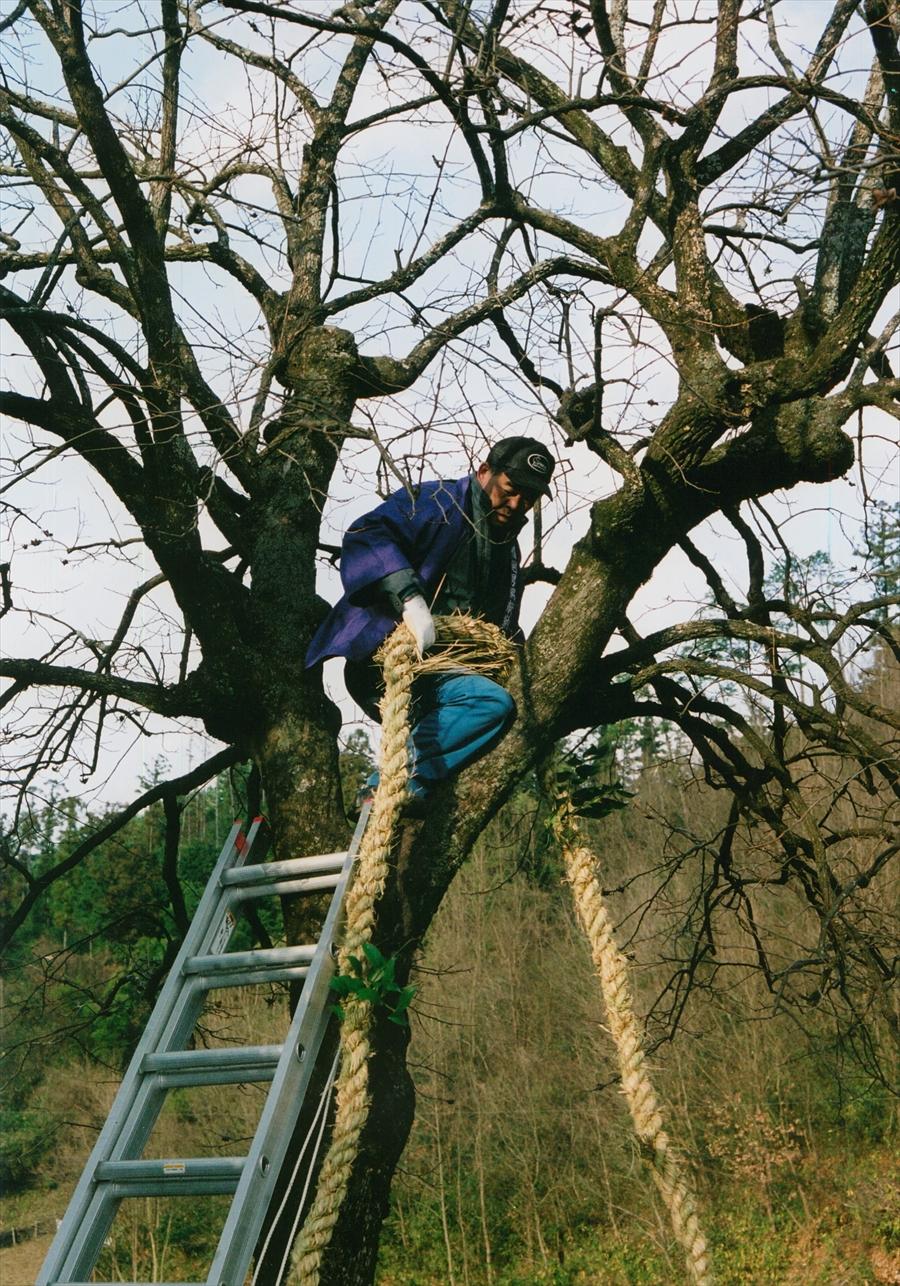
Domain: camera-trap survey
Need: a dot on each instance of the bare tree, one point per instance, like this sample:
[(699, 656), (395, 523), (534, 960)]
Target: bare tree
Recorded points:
[(671, 229)]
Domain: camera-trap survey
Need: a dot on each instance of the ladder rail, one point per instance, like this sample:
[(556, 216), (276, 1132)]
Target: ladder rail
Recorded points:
[(72, 1244), (116, 1168), (265, 1158)]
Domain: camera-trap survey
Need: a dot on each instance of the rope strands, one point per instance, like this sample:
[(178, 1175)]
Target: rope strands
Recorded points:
[(668, 1169), (398, 658), (467, 642)]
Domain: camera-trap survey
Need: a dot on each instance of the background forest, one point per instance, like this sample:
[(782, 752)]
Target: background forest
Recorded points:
[(522, 1167)]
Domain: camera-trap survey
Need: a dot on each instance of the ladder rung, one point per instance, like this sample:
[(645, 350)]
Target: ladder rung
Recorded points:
[(265, 872), (268, 958), (193, 1177), (163, 1188), (250, 977), (231, 1066), (312, 884), (174, 1170)]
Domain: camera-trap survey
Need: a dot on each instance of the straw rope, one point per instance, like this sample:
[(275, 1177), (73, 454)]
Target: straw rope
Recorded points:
[(398, 658), (466, 642), (469, 643), (463, 642), (668, 1169)]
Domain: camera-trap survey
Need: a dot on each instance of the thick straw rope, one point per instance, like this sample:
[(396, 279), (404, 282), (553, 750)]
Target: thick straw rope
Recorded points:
[(462, 642), (399, 660), (467, 642), (473, 644), (612, 967)]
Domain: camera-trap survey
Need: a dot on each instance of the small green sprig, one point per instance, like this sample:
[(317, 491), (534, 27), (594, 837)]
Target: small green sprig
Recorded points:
[(576, 795), (373, 979)]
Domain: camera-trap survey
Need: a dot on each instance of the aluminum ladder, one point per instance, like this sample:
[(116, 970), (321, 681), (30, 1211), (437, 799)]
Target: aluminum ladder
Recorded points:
[(115, 1169)]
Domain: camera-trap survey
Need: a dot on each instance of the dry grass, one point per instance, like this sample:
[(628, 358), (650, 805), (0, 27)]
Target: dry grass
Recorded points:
[(19, 1265)]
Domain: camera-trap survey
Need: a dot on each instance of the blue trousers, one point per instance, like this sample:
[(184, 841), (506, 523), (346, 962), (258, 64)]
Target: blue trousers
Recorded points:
[(456, 719)]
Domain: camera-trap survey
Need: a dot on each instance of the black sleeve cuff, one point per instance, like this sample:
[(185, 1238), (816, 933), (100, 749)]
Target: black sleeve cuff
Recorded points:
[(400, 586)]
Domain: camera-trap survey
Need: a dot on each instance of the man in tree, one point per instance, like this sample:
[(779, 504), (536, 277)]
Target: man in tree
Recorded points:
[(447, 546), (648, 262)]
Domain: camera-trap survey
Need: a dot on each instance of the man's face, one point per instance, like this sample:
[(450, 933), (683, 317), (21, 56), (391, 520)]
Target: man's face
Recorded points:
[(509, 504)]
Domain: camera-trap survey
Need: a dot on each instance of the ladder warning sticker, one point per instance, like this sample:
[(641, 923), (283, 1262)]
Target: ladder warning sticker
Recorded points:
[(173, 1167), (220, 941)]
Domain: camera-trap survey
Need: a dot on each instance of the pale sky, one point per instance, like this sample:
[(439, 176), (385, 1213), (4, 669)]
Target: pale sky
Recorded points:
[(472, 405)]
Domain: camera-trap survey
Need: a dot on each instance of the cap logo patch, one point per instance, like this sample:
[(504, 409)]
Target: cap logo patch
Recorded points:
[(538, 463)]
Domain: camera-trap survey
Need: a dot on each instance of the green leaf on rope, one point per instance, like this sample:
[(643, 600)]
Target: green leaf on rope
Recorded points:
[(593, 800), (581, 785), (374, 980)]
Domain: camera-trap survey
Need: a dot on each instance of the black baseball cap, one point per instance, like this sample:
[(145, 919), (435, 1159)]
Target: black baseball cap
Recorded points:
[(525, 461)]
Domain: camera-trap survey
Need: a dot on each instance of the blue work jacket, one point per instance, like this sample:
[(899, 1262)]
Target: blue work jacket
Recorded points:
[(421, 530)]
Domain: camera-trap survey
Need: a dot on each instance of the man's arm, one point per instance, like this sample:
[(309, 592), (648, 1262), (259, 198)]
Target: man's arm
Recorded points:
[(379, 558), (399, 587), (381, 546)]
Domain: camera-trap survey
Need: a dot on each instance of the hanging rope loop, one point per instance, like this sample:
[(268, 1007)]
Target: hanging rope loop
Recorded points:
[(476, 645)]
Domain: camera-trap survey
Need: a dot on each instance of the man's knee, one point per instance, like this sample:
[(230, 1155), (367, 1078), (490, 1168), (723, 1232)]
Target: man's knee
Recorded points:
[(505, 707), (495, 707)]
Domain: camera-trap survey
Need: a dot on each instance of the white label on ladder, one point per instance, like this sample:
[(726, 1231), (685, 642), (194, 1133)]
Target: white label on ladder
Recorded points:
[(173, 1167), (224, 932)]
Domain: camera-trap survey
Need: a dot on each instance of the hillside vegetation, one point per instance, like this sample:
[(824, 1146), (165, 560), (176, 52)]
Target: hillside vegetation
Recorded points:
[(522, 1167)]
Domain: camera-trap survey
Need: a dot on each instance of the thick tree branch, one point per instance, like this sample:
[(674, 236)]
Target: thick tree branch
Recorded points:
[(82, 433), (405, 276), (719, 162), (174, 701), (384, 374), (243, 54), (161, 188), (884, 29), (144, 267)]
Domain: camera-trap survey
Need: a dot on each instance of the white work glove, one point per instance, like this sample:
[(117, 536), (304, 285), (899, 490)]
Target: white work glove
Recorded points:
[(420, 623)]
